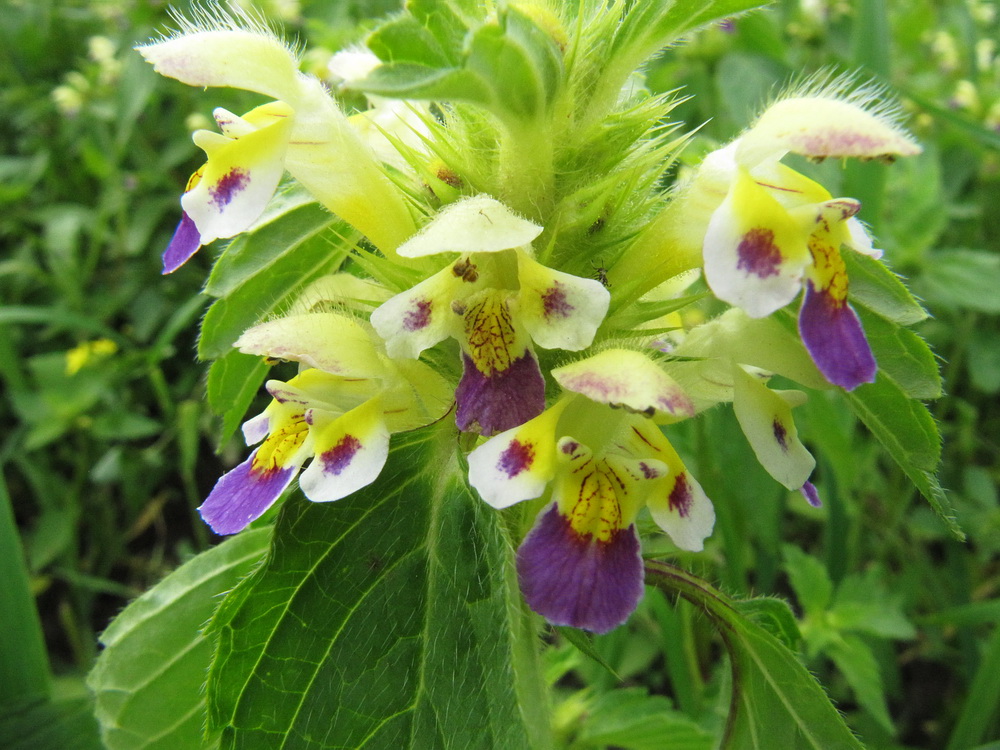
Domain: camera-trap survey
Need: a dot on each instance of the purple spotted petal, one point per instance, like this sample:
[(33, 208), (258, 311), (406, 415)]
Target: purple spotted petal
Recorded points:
[(183, 245), (809, 492), (835, 340), (501, 401), (577, 581), (242, 495)]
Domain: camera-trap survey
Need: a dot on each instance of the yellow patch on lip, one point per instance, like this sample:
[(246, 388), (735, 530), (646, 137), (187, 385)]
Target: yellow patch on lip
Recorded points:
[(595, 509), (490, 337), (281, 445)]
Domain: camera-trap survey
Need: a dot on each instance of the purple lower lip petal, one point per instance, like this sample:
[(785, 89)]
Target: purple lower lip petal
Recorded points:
[(580, 581)]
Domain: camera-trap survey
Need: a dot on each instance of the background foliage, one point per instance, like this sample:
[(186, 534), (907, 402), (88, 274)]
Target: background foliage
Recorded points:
[(110, 445)]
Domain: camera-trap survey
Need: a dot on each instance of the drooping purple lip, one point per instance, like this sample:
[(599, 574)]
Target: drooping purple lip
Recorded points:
[(578, 580), (242, 495), (183, 245), (493, 403), (835, 340)]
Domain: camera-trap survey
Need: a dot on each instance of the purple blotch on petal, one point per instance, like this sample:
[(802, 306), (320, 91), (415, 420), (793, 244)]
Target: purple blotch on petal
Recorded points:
[(554, 302), (680, 496), (576, 580), (184, 244), (501, 401), (809, 492), (418, 317), (242, 495), (339, 457), (757, 253), (780, 434), (228, 186), (835, 340), (516, 458)]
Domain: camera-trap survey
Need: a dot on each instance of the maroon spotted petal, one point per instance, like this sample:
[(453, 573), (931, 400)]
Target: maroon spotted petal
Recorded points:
[(579, 581)]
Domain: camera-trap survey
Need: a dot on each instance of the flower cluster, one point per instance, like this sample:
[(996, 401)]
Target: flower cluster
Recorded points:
[(565, 381)]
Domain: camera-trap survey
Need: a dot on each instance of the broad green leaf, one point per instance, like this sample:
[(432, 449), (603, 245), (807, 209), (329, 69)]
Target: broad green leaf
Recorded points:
[(907, 430), (49, 725), (902, 355), (964, 279), (149, 681), (809, 579), (881, 291), (233, 381), (776, 702), (854, 660), (388, 619), (291, 216), (630, 718), (263, 270)]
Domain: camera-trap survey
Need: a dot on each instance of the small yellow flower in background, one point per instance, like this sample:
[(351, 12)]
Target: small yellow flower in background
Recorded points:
[(87, 353)]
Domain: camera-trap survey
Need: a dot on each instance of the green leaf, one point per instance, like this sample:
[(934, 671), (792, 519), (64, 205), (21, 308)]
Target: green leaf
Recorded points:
[(49, 725), (407, 80), (908, 432), (809, 579), (652, 26), (902, 355), (864, 605), (854, 660), (149, 680), (983, 702), (775, 701), (404, 39), (24, 664), (583, 643), (448, 21), (964, 279), (389, 619), (632, 719), (774, 615), (510, 66), (233, 381), (262, 270), (881, 291)]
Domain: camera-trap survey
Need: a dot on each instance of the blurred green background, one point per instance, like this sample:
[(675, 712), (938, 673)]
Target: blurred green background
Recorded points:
[(108, 446)]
